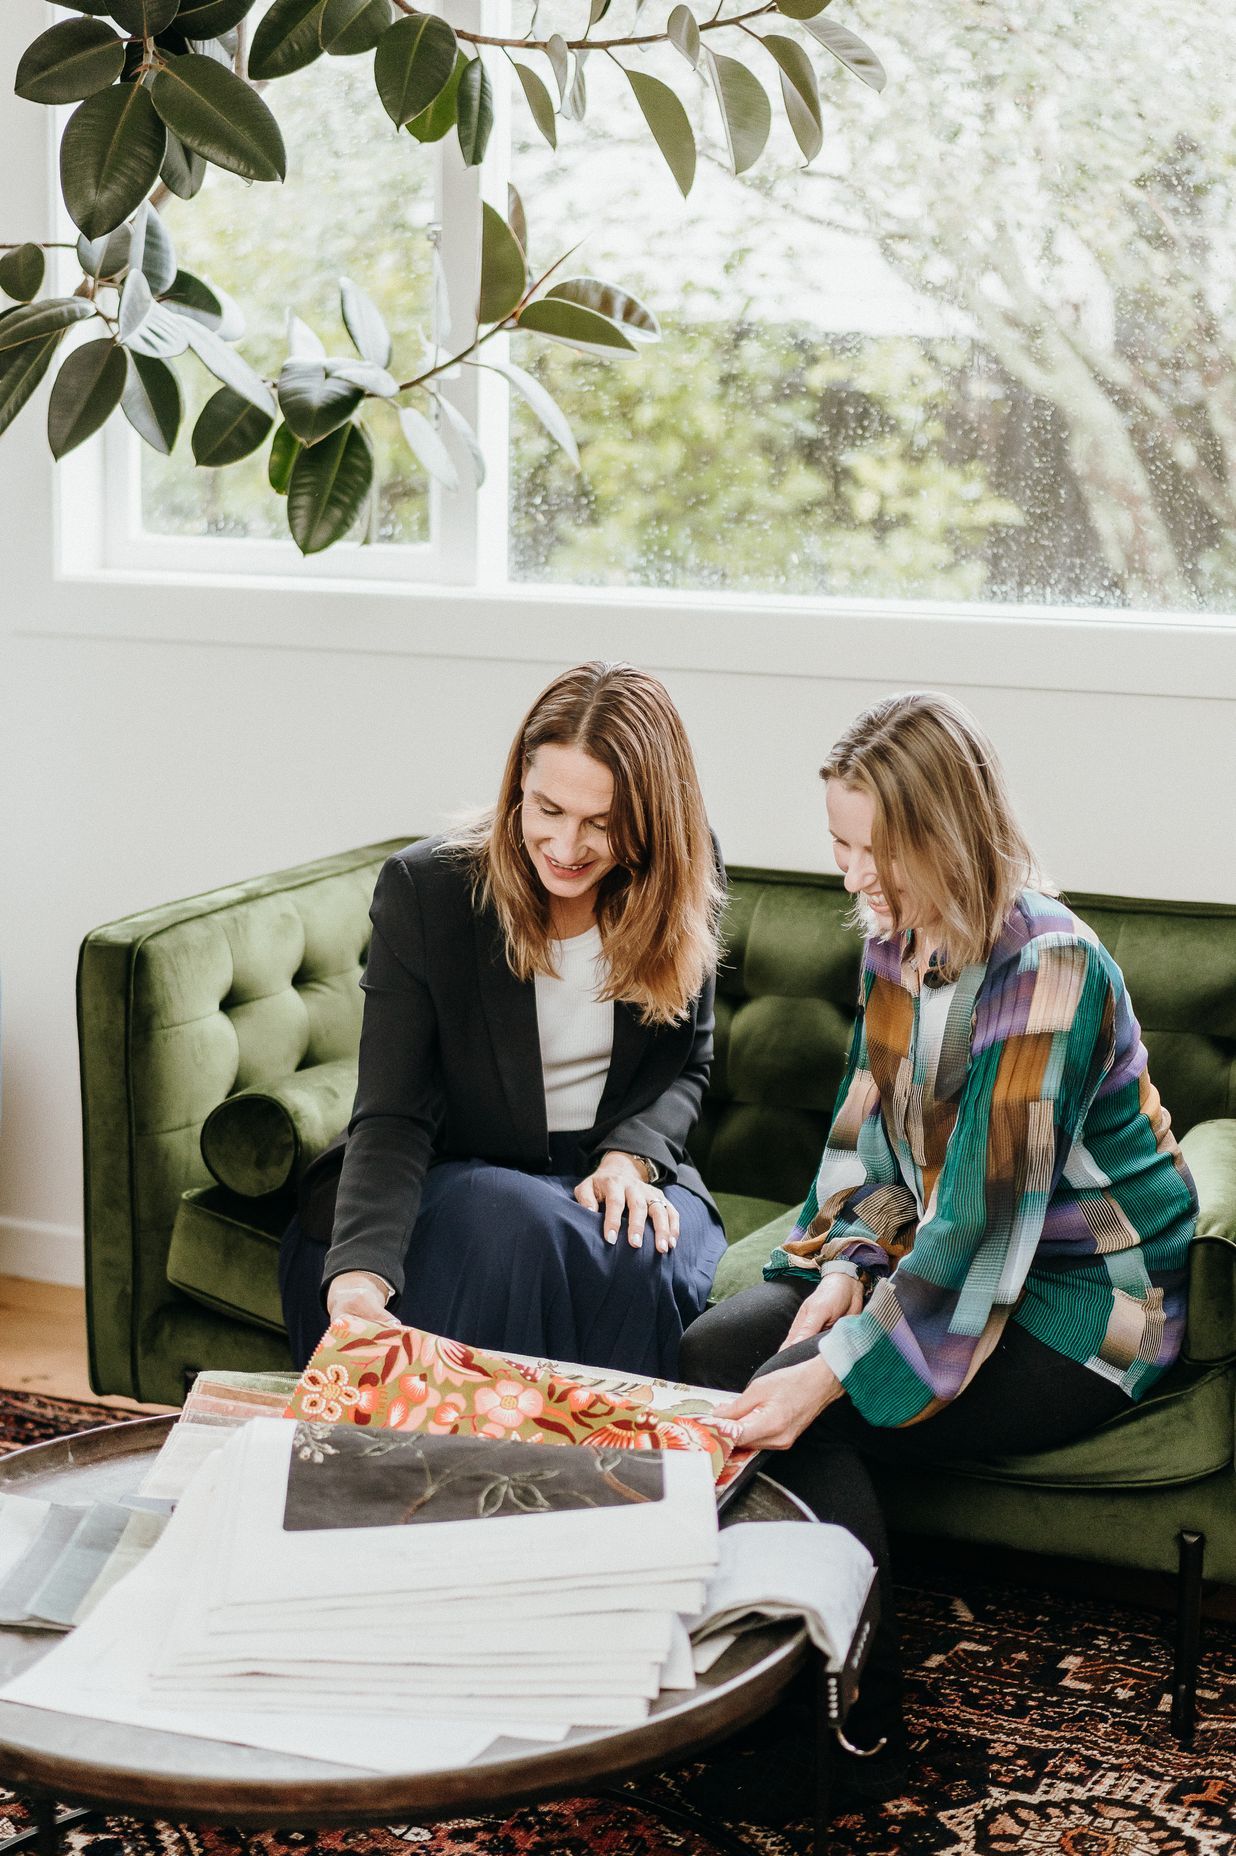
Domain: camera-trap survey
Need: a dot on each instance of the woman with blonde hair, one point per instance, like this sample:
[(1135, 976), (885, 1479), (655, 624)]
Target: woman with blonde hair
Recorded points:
[(536, 1042), (991, 1259)]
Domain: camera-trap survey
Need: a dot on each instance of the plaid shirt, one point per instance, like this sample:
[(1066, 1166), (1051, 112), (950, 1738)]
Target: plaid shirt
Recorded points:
[(1002, 1153)]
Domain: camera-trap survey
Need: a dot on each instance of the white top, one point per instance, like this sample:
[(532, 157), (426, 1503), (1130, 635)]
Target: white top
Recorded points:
[(576, 1030), (934, 1003)]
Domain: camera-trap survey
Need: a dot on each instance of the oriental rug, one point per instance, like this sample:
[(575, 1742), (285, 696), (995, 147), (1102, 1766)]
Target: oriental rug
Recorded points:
[(1037, 1720)]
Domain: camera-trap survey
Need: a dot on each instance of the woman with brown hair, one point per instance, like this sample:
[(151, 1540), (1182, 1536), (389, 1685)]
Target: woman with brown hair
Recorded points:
[(536, 1043), (991, 1258)]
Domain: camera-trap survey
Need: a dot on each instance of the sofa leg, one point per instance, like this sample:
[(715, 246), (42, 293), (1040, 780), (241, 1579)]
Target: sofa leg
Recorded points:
[(1192, 1551)]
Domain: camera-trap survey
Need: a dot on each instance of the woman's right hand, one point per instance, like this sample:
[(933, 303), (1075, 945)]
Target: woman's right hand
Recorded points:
[(358, 1294), (836, 1296)]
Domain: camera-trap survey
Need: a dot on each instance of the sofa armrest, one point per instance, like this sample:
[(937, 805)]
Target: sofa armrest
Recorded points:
[(1210, 1150), (260, 1139), (178, 1008), (1210, 1328)]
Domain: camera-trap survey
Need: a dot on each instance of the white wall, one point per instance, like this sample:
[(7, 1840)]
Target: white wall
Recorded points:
[(271, 725)]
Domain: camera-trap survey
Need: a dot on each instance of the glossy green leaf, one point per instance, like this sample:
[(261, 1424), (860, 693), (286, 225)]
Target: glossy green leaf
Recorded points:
[(504, 269), (575, 103), (136, 306), (573, 323), (192, 297), (414, 62), (151, 401), (21, 272), (801, 9), (366, 375), (161, 336), (227, 366), (348, 27), (313, 402), (286, 39), (540, 103), (229, 427), (285, 448), (182, 171), (850, 50), (221, 117), (33, 321), (452, 416), (475, 113), (110, 155), (85, 393), (663, 111), (684, 33), (559, 54), (609, 301), (85, 6), (746, 114), (800, 92), (303, 344), (158, 259), (70, 61), (143, 19), (21, 370), (439, 119), (328, 487), (597, 11), (516, 217), (363, 321), (428, 447), (542, 403), (206, 19)]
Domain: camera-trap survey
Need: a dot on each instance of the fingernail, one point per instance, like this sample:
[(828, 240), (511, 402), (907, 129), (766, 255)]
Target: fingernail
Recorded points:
[(637, 1242), (611, 1237)]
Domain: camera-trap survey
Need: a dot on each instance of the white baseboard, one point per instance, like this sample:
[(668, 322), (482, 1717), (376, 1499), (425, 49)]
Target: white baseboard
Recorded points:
[(42, 1252)]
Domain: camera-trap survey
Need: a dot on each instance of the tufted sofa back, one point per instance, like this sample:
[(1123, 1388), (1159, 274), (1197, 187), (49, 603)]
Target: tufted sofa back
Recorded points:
[(183, 1006), (786, 1002), (179, 1008)]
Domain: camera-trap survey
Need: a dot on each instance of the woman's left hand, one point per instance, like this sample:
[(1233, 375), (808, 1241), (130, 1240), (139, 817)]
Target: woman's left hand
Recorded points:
[(619, 1186), (776, 1408)]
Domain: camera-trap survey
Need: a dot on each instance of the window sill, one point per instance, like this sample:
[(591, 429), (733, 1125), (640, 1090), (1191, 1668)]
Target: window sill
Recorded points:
[(1058, 648)]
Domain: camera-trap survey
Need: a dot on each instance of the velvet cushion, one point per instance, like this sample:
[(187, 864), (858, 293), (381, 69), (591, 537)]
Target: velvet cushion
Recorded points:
[(260, 1139), (225, 1254), (743, 1263)]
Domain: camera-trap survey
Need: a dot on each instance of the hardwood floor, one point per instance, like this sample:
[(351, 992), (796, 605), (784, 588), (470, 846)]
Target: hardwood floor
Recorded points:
[(43, 1341)]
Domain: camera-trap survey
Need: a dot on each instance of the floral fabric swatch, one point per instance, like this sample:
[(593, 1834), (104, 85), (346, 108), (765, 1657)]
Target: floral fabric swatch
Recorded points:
[(404, 1379)]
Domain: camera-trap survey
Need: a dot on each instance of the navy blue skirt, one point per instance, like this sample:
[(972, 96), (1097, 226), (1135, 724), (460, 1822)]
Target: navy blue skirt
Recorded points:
[(505, 1259)]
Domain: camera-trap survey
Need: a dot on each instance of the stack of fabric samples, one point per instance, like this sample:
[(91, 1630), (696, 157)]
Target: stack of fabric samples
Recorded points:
[(399, 1601)]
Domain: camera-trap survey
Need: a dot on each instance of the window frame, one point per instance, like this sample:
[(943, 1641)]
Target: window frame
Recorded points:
[(456, 588)]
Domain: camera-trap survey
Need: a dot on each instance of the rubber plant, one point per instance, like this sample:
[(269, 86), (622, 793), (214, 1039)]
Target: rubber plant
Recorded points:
[(163, 89)]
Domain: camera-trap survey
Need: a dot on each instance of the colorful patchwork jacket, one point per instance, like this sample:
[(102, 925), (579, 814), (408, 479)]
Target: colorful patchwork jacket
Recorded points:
[(997, 1150)]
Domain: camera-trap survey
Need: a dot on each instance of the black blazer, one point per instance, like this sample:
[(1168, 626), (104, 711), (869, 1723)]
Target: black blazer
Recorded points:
[(450, 1069)]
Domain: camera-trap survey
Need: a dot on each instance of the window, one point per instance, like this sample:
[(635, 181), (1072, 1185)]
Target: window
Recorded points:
[(982, 350)]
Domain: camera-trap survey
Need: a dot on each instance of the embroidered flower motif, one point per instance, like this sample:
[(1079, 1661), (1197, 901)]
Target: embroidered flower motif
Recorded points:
[(311, 1444), (325, 1393), (448, 1362), (448, 1414), (506, 1404), (635, 1433)]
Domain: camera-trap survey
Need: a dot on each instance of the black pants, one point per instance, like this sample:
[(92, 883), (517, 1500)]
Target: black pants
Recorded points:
[(1025, 1397)]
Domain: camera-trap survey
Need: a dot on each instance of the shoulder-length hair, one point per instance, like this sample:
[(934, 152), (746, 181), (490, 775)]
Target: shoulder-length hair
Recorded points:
[(659, 908), (942, 822)]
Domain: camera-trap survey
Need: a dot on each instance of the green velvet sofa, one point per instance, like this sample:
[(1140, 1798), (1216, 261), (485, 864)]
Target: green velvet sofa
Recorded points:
[(228, 1025)]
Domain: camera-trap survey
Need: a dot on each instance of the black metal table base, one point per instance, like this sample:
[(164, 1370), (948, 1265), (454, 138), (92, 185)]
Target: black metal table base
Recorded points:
[(44, 1834)]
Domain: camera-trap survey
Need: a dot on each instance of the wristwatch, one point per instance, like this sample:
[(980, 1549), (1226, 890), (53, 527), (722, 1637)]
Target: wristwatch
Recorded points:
[(655, 1175)]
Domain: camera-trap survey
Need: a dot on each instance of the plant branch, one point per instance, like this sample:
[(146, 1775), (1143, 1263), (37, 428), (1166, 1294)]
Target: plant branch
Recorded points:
[(599, 45)]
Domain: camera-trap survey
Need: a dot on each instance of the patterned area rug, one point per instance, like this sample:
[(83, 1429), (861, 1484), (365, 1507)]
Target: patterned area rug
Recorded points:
[(1037, 1721)]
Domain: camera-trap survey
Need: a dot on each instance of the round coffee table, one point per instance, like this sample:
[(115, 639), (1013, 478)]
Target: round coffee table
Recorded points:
[(102, 1766)]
